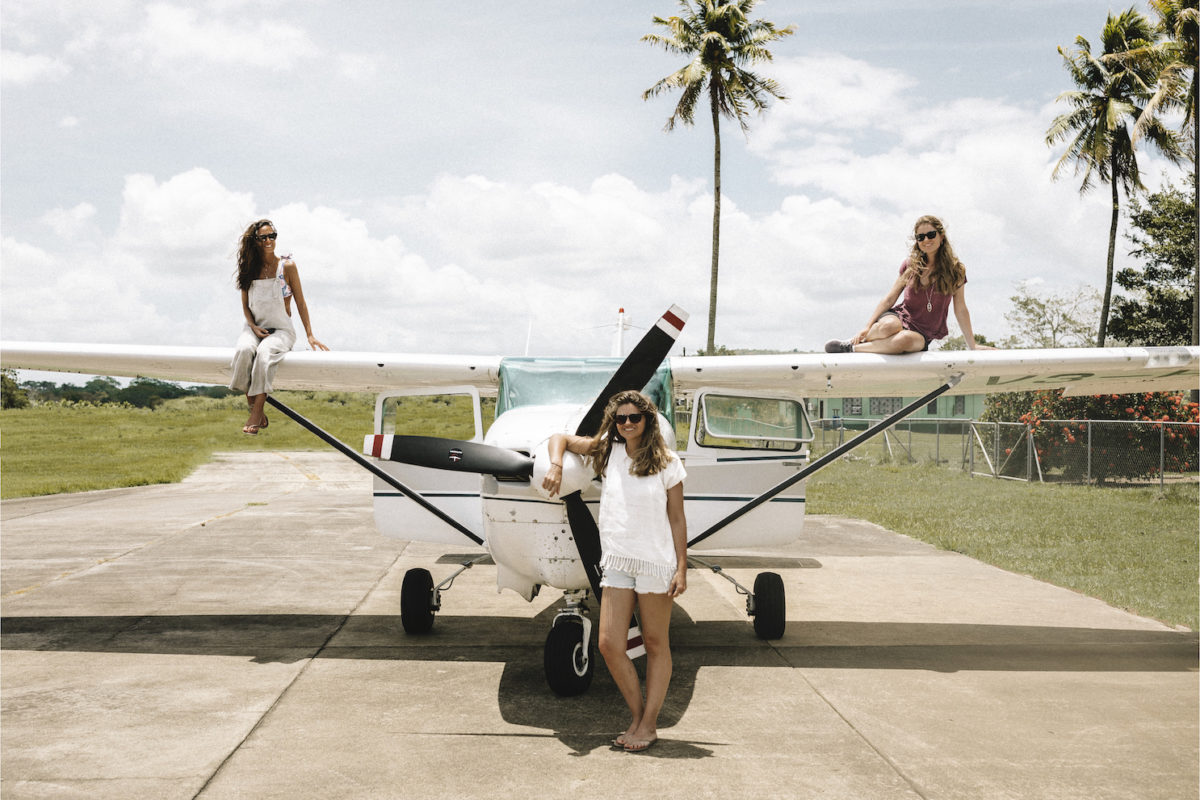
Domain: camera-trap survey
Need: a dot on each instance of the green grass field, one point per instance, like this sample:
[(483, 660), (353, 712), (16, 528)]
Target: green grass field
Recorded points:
[(1135, 548)]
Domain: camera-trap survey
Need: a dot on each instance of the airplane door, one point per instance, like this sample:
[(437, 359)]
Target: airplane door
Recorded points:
[(739, 445), (452, 412)]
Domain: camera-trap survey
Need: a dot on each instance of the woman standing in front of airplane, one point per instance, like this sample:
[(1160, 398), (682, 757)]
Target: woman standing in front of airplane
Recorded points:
[(643, 538), (268, 286), (930, 279)]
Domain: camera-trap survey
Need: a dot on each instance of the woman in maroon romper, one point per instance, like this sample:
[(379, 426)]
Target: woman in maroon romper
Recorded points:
[(930, 278)]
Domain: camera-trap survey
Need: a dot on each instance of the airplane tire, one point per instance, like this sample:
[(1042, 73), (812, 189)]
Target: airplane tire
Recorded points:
[(770, 609), (416, 601), (563, 659)]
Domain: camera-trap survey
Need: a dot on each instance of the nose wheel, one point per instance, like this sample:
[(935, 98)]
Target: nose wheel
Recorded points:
[(568, 658)]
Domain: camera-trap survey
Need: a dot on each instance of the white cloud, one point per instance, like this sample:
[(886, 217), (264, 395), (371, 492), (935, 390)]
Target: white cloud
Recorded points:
[(71, 223), (173, 33), (21, 69)]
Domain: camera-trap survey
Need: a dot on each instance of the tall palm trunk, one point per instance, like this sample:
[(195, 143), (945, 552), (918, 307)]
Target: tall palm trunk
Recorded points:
[(1196, 205), (716, 226), (1112, 249)]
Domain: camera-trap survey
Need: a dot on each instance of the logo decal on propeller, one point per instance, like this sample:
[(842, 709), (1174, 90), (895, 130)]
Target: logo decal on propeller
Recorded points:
[(455, 455)]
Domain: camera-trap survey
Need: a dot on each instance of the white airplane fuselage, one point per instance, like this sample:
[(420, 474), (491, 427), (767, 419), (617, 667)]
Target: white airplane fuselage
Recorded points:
[(528, 535)]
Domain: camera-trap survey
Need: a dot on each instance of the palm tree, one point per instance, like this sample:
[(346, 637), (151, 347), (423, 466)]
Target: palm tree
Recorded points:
[(720, 38), (1109, 102), (1174, 58)]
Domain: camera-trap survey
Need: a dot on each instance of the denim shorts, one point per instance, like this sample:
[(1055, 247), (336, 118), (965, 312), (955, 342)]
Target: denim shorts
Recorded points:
[(641, 584)]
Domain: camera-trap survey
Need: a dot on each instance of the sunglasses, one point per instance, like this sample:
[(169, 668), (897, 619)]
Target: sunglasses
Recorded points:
[(923, 236), (633, 418), (264, 236)]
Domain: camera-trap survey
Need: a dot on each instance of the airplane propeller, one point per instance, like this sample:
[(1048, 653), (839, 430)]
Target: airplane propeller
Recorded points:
[(452, 454)]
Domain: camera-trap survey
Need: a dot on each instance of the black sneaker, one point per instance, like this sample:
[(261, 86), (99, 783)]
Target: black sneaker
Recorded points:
[(838, 346)]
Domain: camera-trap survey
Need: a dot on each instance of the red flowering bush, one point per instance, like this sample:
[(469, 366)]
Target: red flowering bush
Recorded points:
[(1118, 449)]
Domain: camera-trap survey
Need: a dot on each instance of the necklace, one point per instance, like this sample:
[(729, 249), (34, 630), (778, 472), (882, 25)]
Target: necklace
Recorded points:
[(929, 298)]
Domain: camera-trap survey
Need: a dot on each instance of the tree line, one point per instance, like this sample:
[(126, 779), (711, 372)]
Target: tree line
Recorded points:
[(140, 393)]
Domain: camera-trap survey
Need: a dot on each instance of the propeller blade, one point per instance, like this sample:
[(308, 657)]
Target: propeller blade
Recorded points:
[(450, 454), (634, 373), (639, 366), (587, 538)]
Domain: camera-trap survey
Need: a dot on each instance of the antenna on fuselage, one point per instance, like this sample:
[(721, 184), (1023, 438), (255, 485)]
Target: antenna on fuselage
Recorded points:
[(623, 324)]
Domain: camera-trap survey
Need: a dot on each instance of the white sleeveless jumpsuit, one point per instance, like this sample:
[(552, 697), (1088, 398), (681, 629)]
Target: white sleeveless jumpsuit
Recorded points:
[(256, 360)]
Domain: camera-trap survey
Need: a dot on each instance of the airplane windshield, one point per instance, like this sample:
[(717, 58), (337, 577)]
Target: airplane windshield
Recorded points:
[(547, 381)]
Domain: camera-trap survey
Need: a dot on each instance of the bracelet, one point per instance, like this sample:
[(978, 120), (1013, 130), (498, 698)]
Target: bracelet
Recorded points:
[(555, 465)]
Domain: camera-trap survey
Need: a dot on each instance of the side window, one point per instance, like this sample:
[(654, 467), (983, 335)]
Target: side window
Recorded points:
[(751, 423), (449, 415)]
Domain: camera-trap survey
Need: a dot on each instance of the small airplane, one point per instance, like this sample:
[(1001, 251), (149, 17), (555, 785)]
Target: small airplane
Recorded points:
[(746, 449)]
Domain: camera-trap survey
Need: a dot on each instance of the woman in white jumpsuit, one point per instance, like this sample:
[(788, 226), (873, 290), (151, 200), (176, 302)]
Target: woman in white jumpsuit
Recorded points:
[(268, 286)]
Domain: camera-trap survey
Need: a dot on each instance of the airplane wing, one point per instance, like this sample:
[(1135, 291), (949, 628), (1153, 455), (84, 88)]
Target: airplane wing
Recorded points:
[(302, 369), (1080, 371)]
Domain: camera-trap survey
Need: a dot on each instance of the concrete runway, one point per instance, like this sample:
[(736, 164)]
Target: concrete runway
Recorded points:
[(238, 636)]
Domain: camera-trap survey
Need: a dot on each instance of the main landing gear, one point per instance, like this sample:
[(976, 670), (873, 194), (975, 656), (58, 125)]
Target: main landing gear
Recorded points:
[(568, 656), (766, 603)]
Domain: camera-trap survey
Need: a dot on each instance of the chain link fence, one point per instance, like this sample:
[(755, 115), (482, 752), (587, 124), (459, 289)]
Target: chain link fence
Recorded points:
[(1068, 451)]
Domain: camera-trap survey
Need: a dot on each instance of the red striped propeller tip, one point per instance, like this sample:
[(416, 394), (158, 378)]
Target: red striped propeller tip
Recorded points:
[(672, 321)]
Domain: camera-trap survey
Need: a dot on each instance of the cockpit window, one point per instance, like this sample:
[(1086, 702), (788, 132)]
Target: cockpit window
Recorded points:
[(548, 381)]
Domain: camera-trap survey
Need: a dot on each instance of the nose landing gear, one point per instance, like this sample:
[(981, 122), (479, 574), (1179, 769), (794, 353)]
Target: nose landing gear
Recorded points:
[(568, 658)]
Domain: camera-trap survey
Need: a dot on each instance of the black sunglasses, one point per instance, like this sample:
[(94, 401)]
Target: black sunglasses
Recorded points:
[(634, 418), (264, 236), (923, 236)]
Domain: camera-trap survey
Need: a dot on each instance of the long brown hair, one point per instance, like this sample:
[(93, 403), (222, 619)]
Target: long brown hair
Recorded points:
[(249, 257), (649, 459), (948, 272)]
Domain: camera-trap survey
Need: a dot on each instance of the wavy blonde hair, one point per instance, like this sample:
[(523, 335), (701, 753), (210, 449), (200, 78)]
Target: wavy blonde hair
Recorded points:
[(948, 272), (649, 459)]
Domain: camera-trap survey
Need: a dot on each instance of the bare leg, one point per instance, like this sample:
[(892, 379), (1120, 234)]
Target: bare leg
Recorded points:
[(656, 622), (257, 417), (888, 337), (902, 342), (616, 610)]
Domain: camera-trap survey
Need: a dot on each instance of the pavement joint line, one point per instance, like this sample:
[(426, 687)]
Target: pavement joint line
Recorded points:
[(892, 765), (299, 673)]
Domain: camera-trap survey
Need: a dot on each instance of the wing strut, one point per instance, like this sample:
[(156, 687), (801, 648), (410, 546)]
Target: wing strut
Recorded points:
[(825, 460), (411, 494)]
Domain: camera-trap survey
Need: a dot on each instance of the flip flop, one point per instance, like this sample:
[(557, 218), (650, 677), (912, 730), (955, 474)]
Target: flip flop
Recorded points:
[(640, 745), (265, 422), (618, 741), (250, 430)]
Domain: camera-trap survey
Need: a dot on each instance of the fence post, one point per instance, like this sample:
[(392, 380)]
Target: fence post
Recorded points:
[(995, 448), (1162, 460), (1029, 453), (1089, 453)]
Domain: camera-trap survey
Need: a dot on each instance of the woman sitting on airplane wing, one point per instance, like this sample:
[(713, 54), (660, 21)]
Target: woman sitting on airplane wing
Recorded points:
[(268, 286), (930, 278), (643, 538)]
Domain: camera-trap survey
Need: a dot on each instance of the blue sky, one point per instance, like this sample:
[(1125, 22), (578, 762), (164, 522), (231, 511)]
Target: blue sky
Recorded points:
[(455, 177)]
